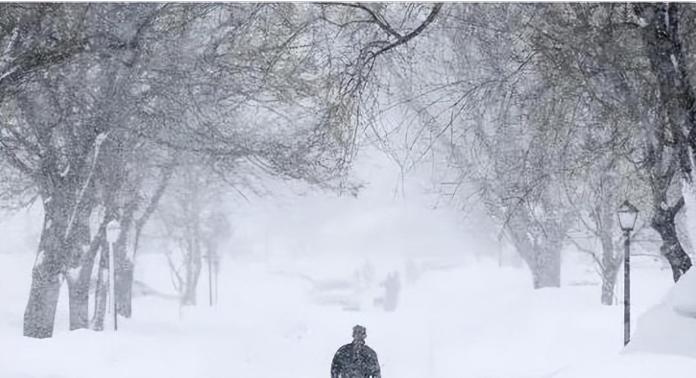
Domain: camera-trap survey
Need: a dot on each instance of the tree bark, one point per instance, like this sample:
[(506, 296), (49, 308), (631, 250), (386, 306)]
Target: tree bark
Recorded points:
[(610, 260), (40, 312), (125, 273), (124, 288), (81, 267), (193, 273), (78, 287), (609, 276), (663, 222), (123, 277), (543, 257), (123, 264), (78, 294), (677, 107), (669, 65), (101, 288), (39, 315), (546, 267)]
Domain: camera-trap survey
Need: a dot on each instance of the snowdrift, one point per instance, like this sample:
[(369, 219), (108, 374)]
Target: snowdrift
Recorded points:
[(670, 327), (663, 344)]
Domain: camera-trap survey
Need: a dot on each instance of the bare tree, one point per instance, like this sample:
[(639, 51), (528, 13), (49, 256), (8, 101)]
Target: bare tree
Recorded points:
[(193, 216), (240, 85)]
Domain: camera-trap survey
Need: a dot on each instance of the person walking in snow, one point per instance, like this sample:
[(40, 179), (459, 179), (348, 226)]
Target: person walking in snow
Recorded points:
[(356, 360), (392, 286)]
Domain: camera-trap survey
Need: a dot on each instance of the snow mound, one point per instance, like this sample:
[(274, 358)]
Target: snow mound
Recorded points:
[(635, 365), (663, 344), (670, 327)]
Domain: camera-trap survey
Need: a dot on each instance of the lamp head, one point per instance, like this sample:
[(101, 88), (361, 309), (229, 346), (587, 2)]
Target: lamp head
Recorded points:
[(113, 230), (627, 216)]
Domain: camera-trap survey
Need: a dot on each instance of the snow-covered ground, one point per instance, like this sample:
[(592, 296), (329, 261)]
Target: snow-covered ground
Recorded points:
[(475, 320), (663, 343)]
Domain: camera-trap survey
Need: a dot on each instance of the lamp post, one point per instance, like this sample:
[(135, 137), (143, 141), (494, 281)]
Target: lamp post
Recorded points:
[(113, 230), (210, 272), (627, 220)]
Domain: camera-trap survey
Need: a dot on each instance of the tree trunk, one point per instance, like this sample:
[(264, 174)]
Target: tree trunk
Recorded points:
[(78, 293), (671, 249), (123, 264), (39, 315), (102, 288), (543, 260), (609, 283), (677, 107), (81, 267), (669, 64), (193, 273), (546, 267), (194, 254), (40, 312), (610, 261), (124, 287)]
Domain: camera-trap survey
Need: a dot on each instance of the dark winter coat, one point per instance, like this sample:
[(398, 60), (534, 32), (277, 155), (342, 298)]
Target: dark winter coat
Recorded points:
[(355, 360)]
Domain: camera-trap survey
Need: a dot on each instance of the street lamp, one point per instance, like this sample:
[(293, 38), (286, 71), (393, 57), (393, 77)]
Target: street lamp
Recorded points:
[(627, 220), (113, 230)]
